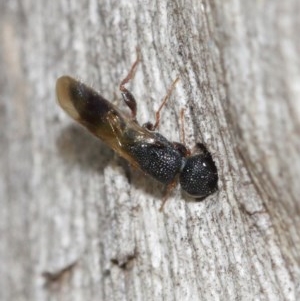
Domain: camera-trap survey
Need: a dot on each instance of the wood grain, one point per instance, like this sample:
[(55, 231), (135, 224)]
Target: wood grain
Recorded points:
[(77, 223)]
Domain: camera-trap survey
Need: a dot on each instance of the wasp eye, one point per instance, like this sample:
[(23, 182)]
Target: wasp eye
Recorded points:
[(199, 176)]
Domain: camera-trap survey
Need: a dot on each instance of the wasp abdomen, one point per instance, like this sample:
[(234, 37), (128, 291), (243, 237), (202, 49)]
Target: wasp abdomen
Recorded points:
[(82, 102)]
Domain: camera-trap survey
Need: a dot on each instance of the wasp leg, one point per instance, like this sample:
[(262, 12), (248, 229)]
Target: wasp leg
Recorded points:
[(169, 189), (157, 114), (202, 148), (126, 95), (149, 126), (184, 151), (182, 132)]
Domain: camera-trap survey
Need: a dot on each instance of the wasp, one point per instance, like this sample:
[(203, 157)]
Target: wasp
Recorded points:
[(142, 146)]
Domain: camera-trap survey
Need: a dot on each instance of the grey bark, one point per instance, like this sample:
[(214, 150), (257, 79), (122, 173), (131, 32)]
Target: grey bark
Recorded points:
[(76, 223)]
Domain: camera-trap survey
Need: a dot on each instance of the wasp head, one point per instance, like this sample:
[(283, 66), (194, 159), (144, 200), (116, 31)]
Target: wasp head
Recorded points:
[(199, 176)]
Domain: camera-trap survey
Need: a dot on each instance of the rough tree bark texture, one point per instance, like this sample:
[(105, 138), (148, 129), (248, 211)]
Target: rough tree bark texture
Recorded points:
[(77, 223)]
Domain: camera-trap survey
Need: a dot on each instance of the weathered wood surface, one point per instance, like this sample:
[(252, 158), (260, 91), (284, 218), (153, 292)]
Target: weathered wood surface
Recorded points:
[(77, 224)]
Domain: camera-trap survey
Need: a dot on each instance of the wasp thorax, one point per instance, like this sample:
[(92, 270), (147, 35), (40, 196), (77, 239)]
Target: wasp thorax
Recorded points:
[(199, 176)]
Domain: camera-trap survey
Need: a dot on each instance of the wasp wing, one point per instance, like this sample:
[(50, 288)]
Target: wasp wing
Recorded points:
[(102, 118)]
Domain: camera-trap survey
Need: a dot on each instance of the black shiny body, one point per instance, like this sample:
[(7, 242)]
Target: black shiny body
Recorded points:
[(142, 147), (160, 159)]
